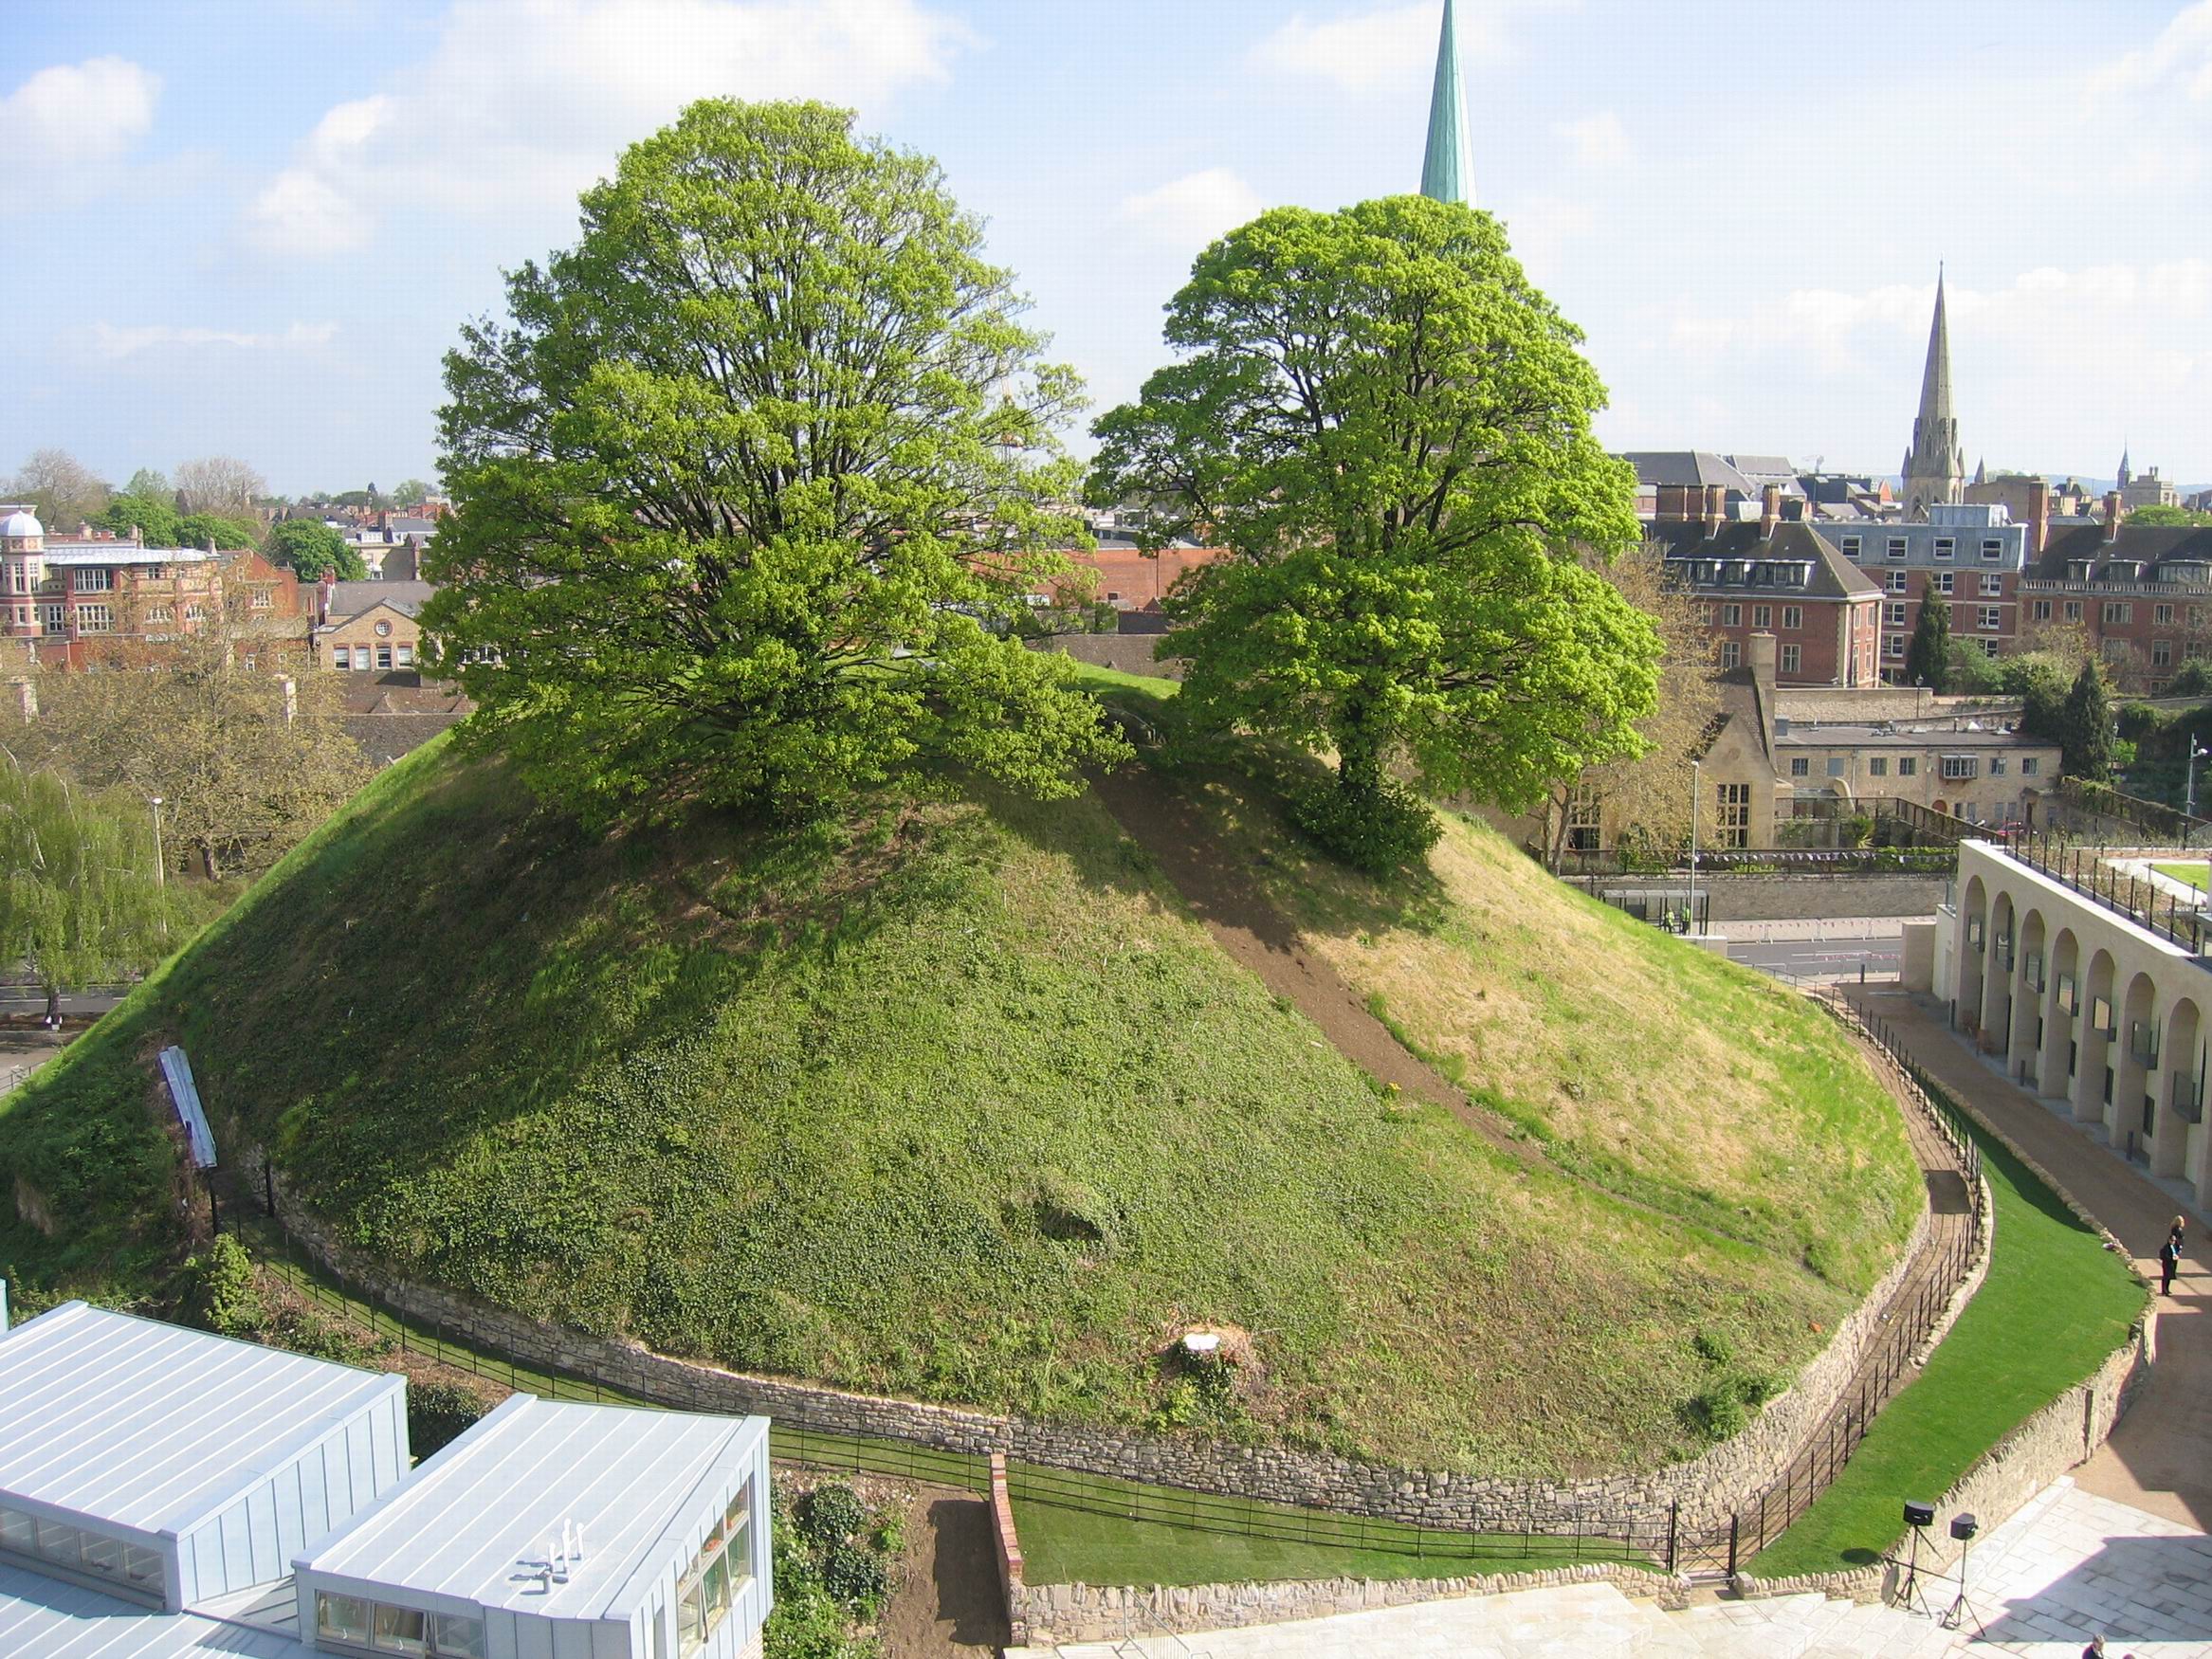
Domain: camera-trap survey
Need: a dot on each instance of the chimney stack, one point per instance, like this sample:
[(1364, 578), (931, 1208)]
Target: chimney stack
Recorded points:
[(1716, 507), (27, 698), (2039, 516), (291, 690), (1763, 656), (1769, 511), (322, 594), (2111, 517)]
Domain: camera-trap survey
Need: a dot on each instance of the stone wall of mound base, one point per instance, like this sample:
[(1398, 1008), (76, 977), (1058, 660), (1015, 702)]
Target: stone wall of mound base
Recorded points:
[(1700, 1493)]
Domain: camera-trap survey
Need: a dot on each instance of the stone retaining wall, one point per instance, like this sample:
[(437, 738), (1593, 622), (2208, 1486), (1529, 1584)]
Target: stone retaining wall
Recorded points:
[(1091, 1612), (1707, 1489), (1792, 898)]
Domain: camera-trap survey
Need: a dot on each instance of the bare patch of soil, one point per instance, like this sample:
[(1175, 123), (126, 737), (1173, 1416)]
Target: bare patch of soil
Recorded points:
[(945, 1600)]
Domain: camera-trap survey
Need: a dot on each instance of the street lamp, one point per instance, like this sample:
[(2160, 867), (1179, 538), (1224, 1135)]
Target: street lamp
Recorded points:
[(160, 865), (2189, 807), (1696, 778)]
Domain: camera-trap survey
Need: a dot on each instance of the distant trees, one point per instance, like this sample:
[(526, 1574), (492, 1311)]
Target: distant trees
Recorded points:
[(81, 901), (64, 492), (219, 531), (220, 484), (1390, 427), (150, 484), (410, 492), (307, 547), (2168, 516), (1928, 659), (751, 482), (151, 516)]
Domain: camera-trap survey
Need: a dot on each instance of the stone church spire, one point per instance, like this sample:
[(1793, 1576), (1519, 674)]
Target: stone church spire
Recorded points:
[(1935, 466), (1448, 169)]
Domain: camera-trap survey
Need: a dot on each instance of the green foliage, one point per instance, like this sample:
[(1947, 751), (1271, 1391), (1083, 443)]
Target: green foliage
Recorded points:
[(752, 486), (437, 1412), (830, 1515), (1390, 427), (1928, 659), (854, 1575), (2160, 514), (1713, 1347), (1973, 671), (2137, 721), (410, 492), (80, 897), (2085, 727), (152, 517), (1379, 828), (226, 534), (220, 1293), (307, 547), (150, 483), (2193, 679), (1717, 1413)]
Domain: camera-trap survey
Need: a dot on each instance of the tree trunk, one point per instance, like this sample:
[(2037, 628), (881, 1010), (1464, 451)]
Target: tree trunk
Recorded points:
[(53, 1008)]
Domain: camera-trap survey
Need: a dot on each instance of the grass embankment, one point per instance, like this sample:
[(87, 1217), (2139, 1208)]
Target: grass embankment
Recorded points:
[(2053, 1305), (951, 1100)]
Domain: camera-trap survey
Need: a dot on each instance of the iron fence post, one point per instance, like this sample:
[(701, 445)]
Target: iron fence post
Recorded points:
[(1735, 1523), (1674, 1532)]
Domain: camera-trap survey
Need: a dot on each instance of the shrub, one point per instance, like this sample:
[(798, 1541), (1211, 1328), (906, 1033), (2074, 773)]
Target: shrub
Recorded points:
[(1713, 1347), (1374, 830), (856, 1577), (437, 1412), (1716, 1414), (2137, 721), (220, 1294), (830, 1515)]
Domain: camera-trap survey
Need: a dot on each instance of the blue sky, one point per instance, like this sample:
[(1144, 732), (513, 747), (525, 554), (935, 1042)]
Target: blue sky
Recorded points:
[(252, 227)]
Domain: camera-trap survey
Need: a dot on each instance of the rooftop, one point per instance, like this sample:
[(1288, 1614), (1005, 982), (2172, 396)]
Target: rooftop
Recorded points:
[(1909, 735), (149, 1425), (353, 598), (474, 1522), (71, 555), (44, 1616), (1686, 466)]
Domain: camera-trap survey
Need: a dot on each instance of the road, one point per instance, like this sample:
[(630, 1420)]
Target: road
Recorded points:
[(1825, 958)]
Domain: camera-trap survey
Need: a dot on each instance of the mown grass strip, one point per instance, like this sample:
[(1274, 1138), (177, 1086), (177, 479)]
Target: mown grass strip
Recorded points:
[(2053, 1305)]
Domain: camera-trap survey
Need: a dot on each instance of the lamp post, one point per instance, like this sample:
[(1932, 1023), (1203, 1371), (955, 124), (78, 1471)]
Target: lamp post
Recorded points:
[(1696, 778), (2189, 806), (160, 865)]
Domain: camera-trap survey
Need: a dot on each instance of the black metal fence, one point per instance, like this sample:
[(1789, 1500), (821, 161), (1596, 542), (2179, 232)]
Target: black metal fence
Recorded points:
[(2087, 872)]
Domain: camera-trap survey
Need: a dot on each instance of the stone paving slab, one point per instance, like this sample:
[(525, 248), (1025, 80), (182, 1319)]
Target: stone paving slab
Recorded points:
[(2071, 1564)]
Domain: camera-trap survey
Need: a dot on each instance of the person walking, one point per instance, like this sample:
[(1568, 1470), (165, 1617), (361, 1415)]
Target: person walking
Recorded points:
[(2169, 1258)]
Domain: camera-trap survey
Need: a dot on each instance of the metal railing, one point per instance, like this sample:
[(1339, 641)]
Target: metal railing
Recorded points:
[(2086, 871)]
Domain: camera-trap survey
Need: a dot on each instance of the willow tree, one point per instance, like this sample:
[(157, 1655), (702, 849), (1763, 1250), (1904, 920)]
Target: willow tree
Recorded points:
[(752, 484), (1389, 427), (81, 901)]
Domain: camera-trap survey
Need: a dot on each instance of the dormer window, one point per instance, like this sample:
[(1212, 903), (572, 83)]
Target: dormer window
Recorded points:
[(1897, 547), (1946, 546)]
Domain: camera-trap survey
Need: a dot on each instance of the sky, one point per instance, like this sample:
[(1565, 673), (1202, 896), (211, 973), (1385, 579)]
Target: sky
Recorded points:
[(253, 227)]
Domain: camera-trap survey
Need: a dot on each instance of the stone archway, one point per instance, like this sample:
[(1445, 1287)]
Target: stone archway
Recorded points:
[(2023, 1055), (1974, 949), (2134, 1109), (2061, 1017), (2001, 961), (2098, 1019), (2179, 1089)]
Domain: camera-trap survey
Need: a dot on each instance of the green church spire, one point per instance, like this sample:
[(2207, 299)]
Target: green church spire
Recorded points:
[(1448, 170)]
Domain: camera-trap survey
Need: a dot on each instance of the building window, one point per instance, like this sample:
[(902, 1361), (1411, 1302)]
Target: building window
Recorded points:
[(50, 618), (1946, 546), (1992, 619), (401, 1630), (1899, 582), (1793, 659), (1731, 655), (1877, 766), (98, 579), (1582, 819), (1995, 766), (1851, 546), (361, 663), (1908, 765), (1992, 551), (1834, 766), (263, 600), (2074, 610), (1731, 616), (94, 619), (1705, 616), (384, 659), (2161, 653), (1762, 616), (195, 612), (404, 655), (1800, 766), (2115, 650), (1735, 815), (2119, 611), (160, 613), (1897, 547), (2162, 615), (717, 1574), (341, 1618), (2030, 765), (1793, 618), (342, 657), (1893, 645), (1945, 582), (1959, 766), (2041, 610), (1896, 618), (1992, 585), (357, 1622), (2196, 616)]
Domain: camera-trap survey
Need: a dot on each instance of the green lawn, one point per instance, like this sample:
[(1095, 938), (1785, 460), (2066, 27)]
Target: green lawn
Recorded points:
[(2193, 872), (1146, 1544), (2053, 1305)]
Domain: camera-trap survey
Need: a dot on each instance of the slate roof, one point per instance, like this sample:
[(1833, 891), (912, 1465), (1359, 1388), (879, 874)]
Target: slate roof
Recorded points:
[(353, 598), (1689, 467), (2151, 545), (1834, 577)]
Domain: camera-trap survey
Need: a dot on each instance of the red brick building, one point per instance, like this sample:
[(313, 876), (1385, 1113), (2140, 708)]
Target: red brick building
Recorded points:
[(1778, 577)]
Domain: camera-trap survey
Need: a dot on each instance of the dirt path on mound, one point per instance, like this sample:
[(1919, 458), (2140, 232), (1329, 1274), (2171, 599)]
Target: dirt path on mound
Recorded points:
[(947, 1604), (1255, 935)]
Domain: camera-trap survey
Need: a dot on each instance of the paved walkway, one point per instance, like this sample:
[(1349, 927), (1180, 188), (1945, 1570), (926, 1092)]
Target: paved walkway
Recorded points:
[(2160, 1458), (2068, 1566)]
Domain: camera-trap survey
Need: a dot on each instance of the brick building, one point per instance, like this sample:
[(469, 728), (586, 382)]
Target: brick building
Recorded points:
[(1778, 577), (370, 627), (1971, 558), (67, 598), (2143, 593)]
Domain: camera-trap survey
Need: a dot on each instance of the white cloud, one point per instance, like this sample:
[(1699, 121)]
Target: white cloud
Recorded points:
[(521, 103), (1391, 46), (1192, 210), (1598, 140), (65, 132), (2179, 60), (114, 343)]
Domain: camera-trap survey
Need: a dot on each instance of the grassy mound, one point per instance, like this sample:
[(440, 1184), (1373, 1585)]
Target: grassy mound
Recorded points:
[(957, 1102)]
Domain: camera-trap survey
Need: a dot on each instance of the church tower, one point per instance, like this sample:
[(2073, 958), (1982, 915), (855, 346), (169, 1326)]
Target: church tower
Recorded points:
[(1448, 168), (1935, 466)]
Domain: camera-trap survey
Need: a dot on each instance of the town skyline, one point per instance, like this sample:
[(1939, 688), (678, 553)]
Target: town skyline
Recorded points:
[(328, 195)]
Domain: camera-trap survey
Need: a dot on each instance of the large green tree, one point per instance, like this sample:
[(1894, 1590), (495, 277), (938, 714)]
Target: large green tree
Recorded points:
[(753, 482), (220, 530), (307, 547), (2085, 727), (151, 516), (1390, 427), (1928, 658), (80, 897)]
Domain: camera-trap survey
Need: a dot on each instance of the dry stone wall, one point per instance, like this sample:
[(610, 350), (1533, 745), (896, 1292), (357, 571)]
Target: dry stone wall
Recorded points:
[(1707, 1489)]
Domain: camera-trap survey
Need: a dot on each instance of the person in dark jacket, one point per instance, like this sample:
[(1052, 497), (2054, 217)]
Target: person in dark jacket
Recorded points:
[(2169, 1258)]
